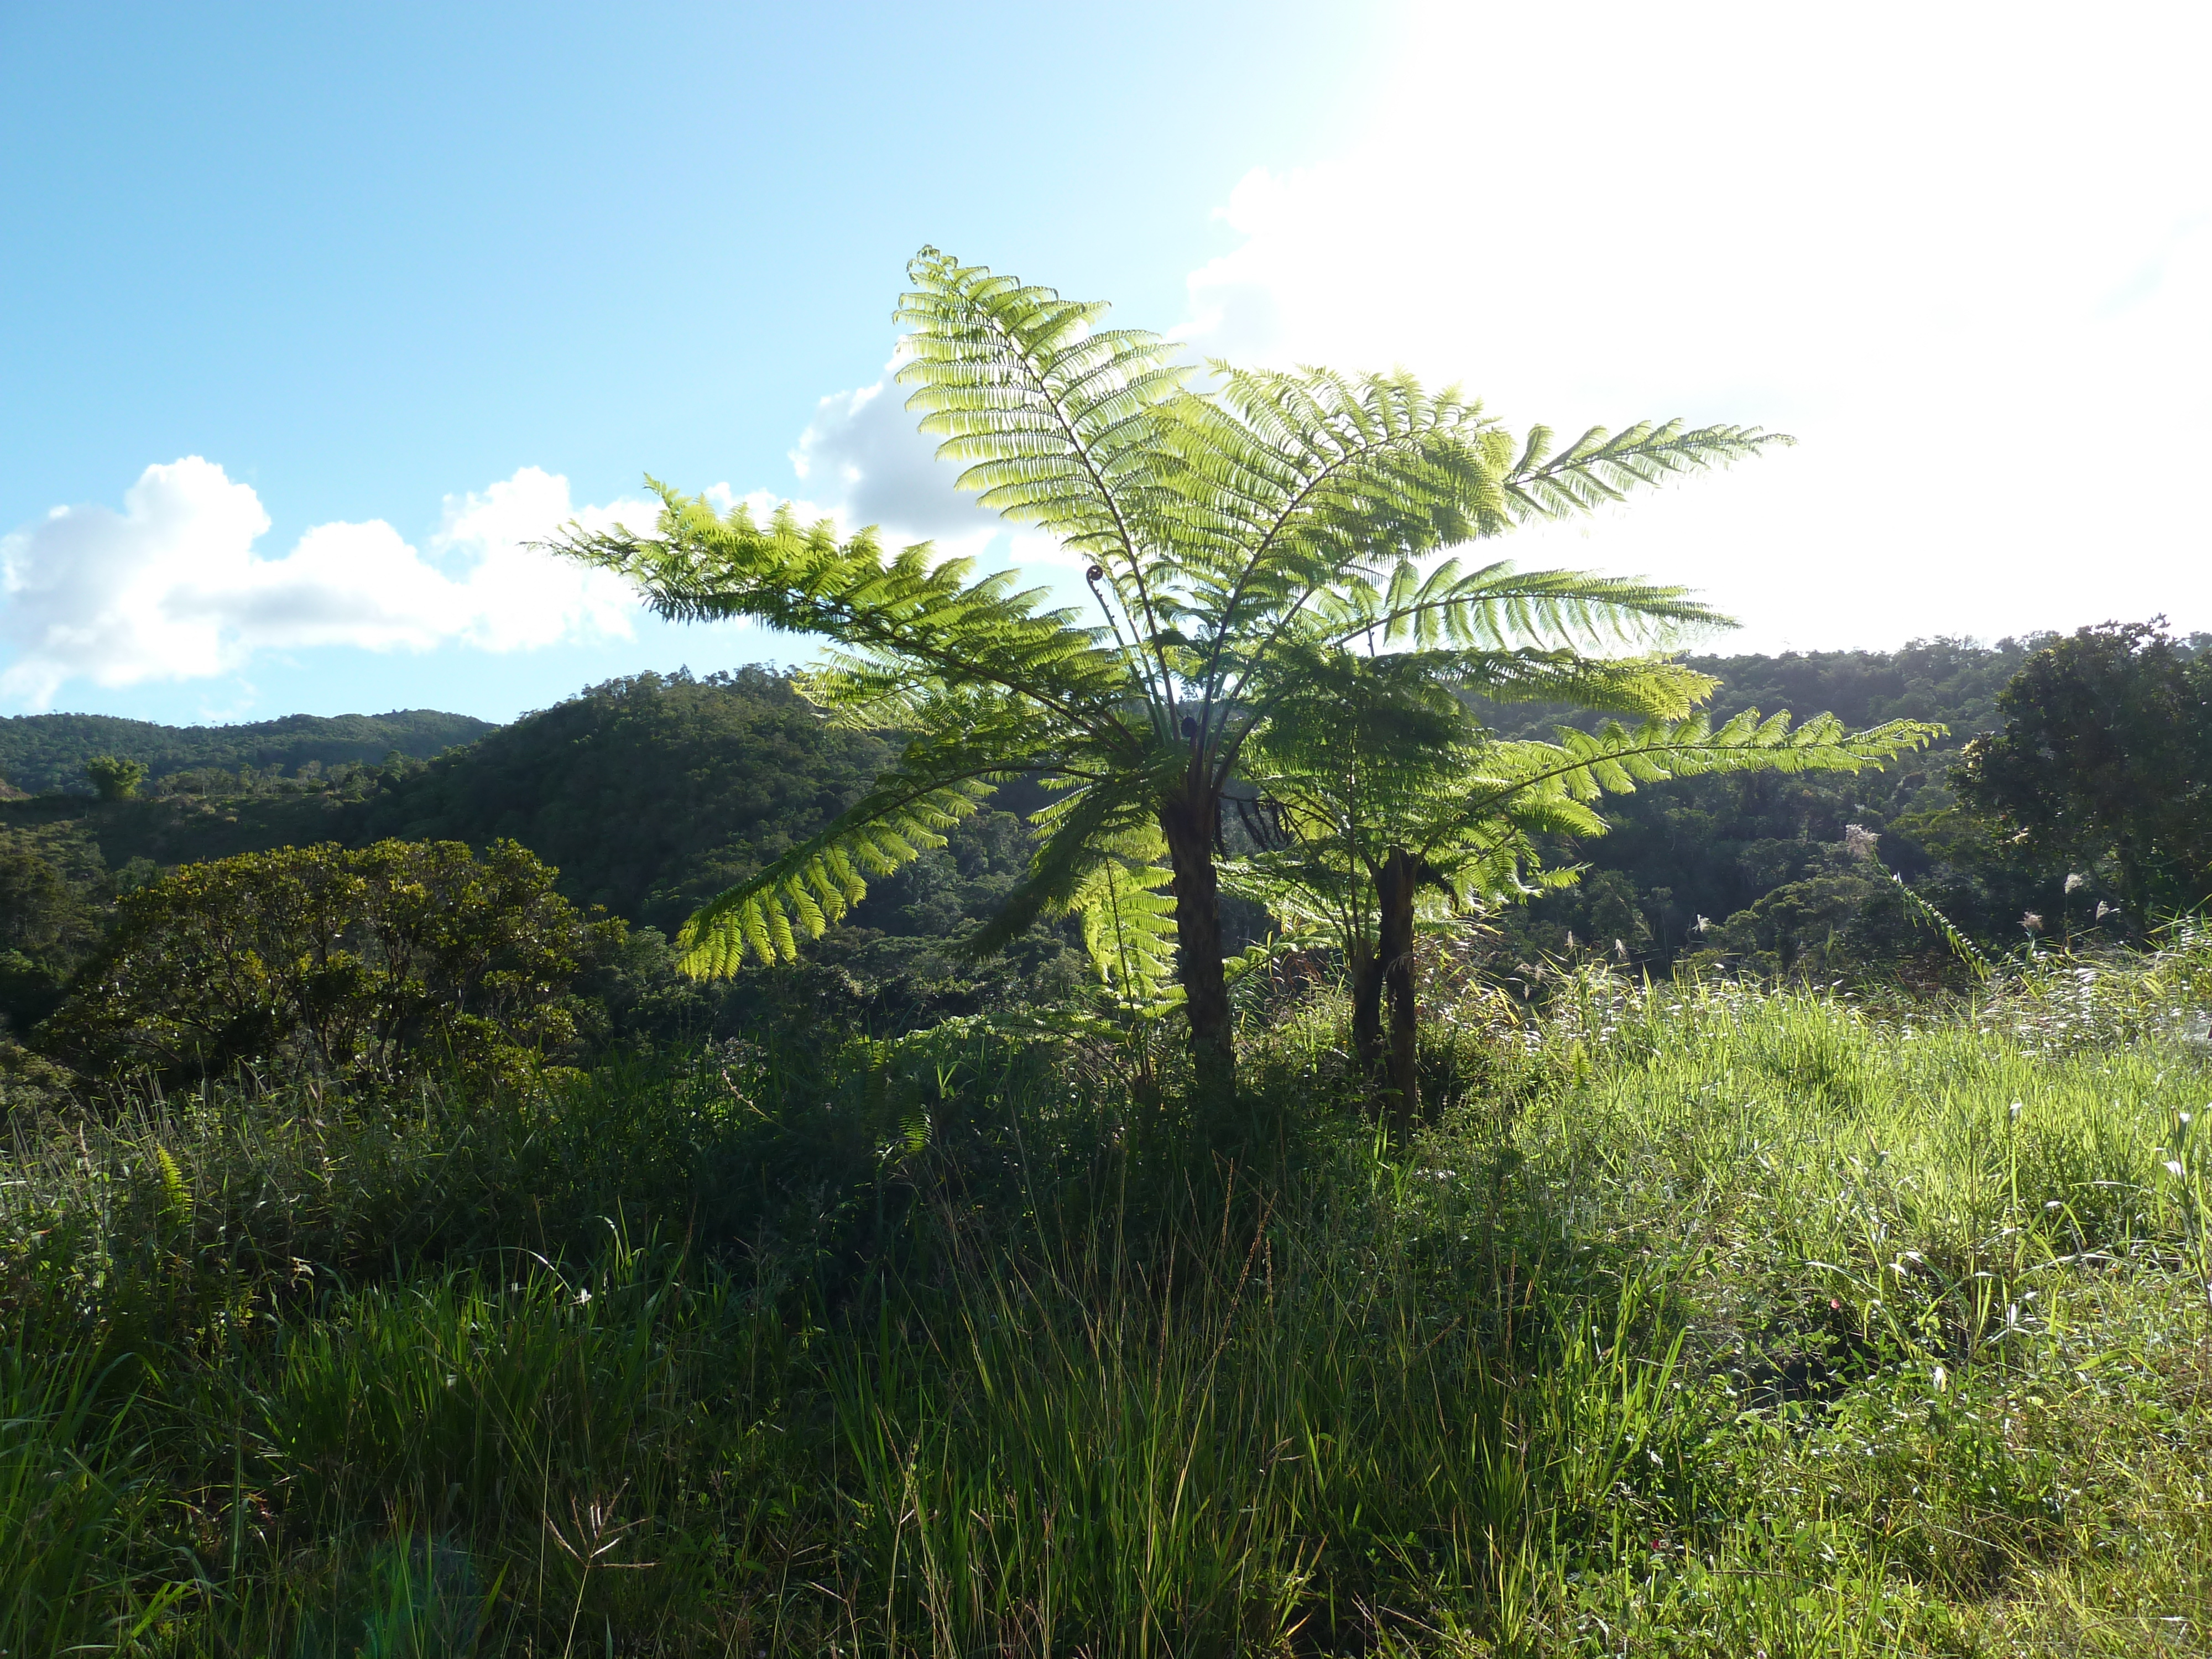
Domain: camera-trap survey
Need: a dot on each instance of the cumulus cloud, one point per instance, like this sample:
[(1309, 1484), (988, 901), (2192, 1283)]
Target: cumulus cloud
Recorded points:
[(1962, 252), (864, 453), (513, 597), (864, 462), (172, 588)]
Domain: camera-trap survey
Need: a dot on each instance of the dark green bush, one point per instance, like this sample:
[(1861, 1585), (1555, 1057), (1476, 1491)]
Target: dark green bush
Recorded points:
[(342, 965)]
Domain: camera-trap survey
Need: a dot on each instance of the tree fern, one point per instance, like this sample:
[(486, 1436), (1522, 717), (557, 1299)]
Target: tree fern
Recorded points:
[(1237, 534), (1385, 790)]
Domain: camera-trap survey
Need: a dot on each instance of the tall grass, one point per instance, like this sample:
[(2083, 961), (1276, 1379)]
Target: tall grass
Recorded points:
[(74, 1497), (1707, 1320)]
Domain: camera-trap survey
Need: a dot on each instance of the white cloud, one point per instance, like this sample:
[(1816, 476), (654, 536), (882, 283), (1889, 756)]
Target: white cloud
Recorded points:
[(513, 597), (171, 588), (1962, 253), (864, 451)]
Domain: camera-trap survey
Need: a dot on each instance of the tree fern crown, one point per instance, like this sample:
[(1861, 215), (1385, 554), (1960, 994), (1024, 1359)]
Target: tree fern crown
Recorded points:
[(1235, 534)]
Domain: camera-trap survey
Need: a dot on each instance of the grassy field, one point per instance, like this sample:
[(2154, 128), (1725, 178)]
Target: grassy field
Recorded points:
[(1704, 1320)]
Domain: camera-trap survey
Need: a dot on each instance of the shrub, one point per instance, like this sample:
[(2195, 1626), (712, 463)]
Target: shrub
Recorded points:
[(345, 964), (115, 778)]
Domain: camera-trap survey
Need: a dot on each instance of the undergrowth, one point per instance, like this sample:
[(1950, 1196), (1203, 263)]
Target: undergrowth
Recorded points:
[(1703, 1319)]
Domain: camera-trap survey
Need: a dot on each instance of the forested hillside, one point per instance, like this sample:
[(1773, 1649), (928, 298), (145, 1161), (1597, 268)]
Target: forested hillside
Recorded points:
[(1715, 847), (650, 794), (40, 753), (1757, 868)]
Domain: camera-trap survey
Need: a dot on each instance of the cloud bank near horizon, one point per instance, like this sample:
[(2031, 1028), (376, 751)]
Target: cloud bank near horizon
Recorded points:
[(172, 587)]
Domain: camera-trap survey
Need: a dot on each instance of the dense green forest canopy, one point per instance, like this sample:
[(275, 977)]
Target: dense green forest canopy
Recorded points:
[(651, 794), (646, 793), (42, 752), (1715, 848), (1955, 682)]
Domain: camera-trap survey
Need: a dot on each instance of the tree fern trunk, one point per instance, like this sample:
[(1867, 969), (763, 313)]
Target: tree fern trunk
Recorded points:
[(1197, 889), (1367, 1021), (1402, 1086)]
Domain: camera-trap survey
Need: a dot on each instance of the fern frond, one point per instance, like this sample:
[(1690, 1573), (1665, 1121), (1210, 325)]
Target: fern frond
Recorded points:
[(1652, 686), (1584, 765), (1055, 417), (1283, 481), (1083, 829), (823, 877), (902, 618), (1312, 487), (1600, 466), (1129, 929), (1496, 606)]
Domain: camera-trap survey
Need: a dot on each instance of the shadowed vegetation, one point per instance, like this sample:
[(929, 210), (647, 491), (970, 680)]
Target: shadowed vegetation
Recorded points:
[(1706, 1320)]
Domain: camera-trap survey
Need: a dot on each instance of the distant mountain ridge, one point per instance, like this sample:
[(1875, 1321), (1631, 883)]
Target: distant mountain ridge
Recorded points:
[(41, 753)]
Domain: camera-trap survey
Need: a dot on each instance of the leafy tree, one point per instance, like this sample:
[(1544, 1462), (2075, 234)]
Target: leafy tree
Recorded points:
[(114, 778), (48, 924), (39, 910), (348, 964), (2106, 761), (1376, 785), (1233, 532), (1823, 925)]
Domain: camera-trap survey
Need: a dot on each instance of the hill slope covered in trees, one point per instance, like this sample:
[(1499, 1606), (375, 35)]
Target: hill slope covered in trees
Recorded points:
[(42, 752), (652, 793), (1718, 848), (1759, 868)]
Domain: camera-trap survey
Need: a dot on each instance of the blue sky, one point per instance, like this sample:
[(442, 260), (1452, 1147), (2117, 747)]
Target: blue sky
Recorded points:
[(406, 280)]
